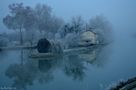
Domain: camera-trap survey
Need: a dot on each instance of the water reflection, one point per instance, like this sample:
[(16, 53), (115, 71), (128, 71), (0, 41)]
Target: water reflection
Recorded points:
[(73, 66), (42, 71)]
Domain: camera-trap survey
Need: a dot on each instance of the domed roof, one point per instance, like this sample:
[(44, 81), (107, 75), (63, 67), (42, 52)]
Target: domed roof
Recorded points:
[(87, 35)]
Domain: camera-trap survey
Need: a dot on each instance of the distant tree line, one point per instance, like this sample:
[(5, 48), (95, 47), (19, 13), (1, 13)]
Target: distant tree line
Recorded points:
[(37, 22)]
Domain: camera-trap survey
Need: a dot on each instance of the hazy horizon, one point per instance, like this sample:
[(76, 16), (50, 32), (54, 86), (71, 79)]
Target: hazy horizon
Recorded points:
[(121, 13), (47, 53)]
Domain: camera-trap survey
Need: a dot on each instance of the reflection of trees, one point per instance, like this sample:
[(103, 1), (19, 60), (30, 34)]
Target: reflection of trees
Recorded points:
[(74, 67), (47, 67), (74, 64), (102, 54), (24, 75), (29, 71), (21, 74)]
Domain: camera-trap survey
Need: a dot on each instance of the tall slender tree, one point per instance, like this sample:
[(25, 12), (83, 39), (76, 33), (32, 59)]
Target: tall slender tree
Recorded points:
[(20, 18)]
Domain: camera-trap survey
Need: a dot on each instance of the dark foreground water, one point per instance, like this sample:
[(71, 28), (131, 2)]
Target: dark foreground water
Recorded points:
[(94, 70)]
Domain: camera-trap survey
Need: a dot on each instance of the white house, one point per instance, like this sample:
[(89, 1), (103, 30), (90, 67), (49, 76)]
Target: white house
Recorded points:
[(87, 38)]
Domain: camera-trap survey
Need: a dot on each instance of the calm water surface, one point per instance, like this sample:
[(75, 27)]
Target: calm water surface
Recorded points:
[(94, 70)]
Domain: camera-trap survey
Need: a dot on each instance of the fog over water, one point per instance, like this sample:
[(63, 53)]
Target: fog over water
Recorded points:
[(116, 61)]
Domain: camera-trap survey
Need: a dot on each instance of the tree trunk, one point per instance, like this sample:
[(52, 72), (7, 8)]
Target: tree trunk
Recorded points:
[(32, 39), (21, 36)]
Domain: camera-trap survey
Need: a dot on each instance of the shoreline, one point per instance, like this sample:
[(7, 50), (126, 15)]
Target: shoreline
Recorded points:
[(17, 47), (125, 85)]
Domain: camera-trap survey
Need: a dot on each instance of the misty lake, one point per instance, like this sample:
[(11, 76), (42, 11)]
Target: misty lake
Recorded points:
[(95, 70)]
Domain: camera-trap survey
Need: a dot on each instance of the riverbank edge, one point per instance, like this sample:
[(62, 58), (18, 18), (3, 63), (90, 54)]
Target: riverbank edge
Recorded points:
[(125, 85)]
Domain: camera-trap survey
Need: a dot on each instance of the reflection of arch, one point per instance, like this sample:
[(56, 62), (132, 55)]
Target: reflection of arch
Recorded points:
[(48, 65), (44, 65)]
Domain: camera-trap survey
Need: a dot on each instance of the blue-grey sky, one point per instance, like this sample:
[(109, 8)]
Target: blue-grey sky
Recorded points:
[(121, 13)]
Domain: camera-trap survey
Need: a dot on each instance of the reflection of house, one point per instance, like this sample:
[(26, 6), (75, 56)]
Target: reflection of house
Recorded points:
[(89, 57)]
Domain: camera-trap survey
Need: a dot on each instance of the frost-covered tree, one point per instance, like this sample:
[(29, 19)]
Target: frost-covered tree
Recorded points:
[(76, 25), (101, 27), (30, 20), (43, 15), (70, 32), (56, 24), (20, 18), (47, 23)]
